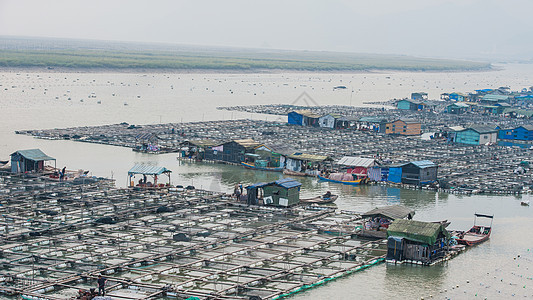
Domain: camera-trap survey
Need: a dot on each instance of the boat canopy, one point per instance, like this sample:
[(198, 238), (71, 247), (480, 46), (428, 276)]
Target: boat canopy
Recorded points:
[(417, 231), (148, 170), (392, 212)]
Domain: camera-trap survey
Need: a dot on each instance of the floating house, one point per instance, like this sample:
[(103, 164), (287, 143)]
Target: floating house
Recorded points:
[(329, 120), (378, 220), (457, 97), (416, 242), (303, 118), (404, 127), (232, 152), (407, 104), (377, 124), (358, 166), (147, 170), (457, 108), (303, 162), (419, 96), (195, 149), (284, 192), (477, 135), (416, 173), (517, 113), (271, 155), (491, 99), (31, 160), (523, 133), (521, 136), (420, 172)]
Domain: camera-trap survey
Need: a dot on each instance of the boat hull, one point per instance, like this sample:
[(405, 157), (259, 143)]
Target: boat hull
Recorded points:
[(253, 167), (354, 182), (319, 200)]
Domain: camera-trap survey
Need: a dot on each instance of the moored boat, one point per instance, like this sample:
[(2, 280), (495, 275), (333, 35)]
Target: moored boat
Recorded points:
[(293, 173), (254, 167), (348, 182), (477, 234), (320, 200)]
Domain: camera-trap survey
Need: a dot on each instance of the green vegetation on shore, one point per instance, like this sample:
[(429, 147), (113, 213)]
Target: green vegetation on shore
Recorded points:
[(238, 60)]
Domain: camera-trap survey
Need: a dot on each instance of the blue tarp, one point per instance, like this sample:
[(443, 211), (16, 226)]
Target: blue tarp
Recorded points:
[(395, 174)]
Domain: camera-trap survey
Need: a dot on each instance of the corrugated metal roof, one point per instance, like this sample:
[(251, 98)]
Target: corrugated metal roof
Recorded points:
[(308, 157), (357, 161), (422, 232), (248, 143), (492, 97), (392, 212), (288, 183), (34, 154), (147, 170), (482, 129), (457, 128), (373, 119), (309, 114), (257, 185), (204, 143), (422, 164), (459, 104)]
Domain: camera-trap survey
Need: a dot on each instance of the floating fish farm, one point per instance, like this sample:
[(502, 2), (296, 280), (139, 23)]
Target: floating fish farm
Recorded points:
[(57, 237)]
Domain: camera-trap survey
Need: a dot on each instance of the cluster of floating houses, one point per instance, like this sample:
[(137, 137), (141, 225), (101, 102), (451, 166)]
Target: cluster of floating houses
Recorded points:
[(163, 241)]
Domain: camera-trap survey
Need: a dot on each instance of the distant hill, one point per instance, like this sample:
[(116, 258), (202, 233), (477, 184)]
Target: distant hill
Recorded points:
[(80, 54)]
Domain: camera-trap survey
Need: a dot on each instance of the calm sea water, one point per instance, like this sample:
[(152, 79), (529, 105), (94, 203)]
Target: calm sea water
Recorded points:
[(35, 100)]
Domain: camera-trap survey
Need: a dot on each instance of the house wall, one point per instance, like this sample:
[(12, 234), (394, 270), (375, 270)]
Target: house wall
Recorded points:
[(327, 121), (295, 118), (231, 152), (518, 133), (468, 136), (293, 164), (400, 127), (395, 174)]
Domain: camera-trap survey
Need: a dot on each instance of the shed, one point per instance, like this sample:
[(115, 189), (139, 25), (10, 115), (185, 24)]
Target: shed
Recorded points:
[(419, 96), (309, 118), (395, 174), (404, 127), (421, 232), (416, 241), (300, 162), (457, 108), (196, 148), (492, 99), (233, 151), (419, 172), (284, 192), (295, 118), (31, 160), (254, 192), (378, 219), (407, 104), (144, 169), (358, 165), (329, 120)]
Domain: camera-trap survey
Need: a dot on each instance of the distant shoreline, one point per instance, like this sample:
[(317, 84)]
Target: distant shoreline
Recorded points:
[(227, 71)]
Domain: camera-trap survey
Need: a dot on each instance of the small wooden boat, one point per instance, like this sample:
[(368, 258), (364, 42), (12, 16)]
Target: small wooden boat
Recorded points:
[(348, 182), (254, 167), (525, 203), (477, 234), (320, 200)]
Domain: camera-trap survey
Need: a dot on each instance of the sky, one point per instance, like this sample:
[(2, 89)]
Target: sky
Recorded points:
[(465, 29)]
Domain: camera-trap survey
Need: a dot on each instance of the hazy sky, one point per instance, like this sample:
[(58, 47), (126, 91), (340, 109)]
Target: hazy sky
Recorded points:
[(497, 29)]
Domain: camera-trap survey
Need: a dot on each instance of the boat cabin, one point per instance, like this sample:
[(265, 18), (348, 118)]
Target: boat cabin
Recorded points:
[(416, 242)]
